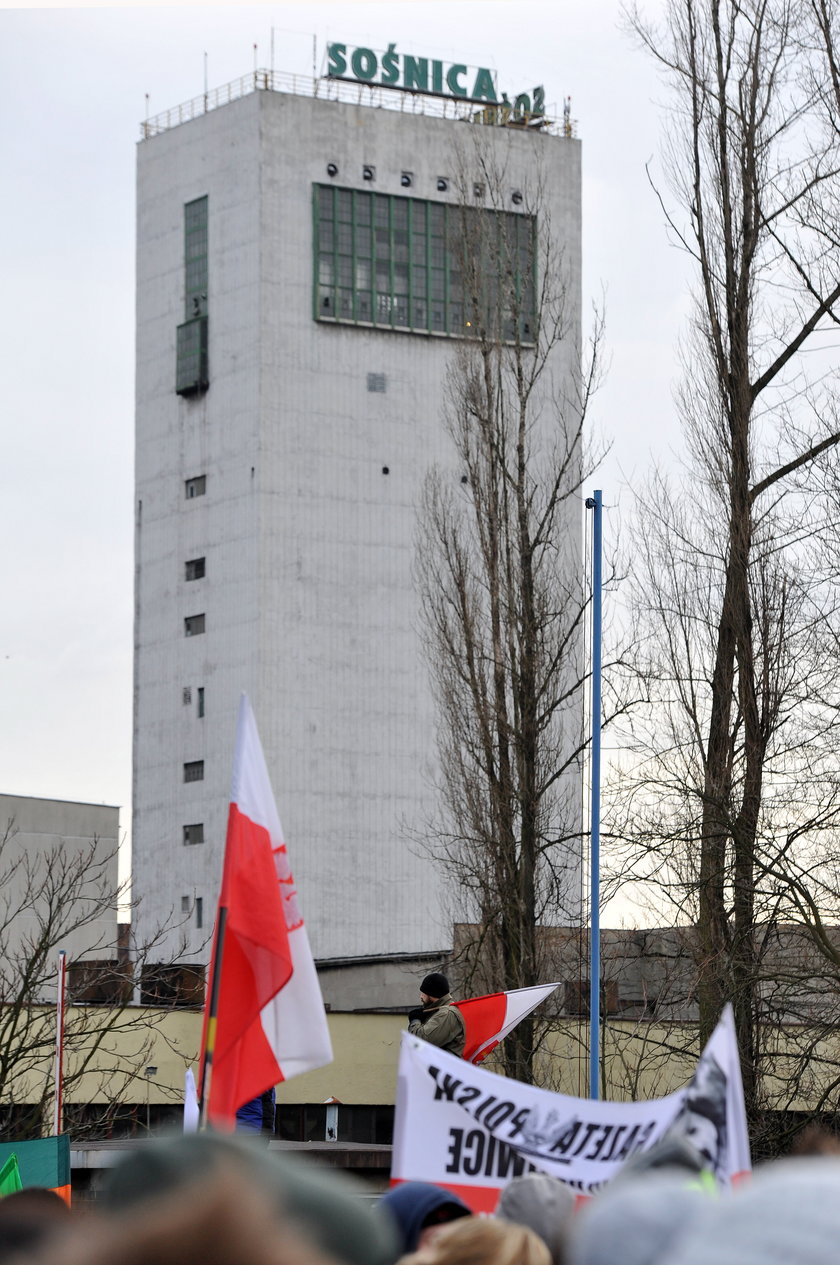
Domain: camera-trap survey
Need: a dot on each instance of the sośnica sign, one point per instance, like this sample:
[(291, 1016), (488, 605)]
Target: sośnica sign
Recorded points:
[(423, 74)]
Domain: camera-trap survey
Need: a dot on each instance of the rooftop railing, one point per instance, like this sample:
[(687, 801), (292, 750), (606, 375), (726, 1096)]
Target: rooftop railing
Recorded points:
[(352, 93)]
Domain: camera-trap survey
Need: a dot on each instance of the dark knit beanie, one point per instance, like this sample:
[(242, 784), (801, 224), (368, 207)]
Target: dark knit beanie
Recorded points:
[(435, 985)]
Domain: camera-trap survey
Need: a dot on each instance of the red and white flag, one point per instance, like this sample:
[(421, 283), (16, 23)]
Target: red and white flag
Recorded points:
[(490, 1018), (270, 1022)]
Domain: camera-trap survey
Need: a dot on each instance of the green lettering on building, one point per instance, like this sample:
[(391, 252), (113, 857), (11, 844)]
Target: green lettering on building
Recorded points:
[(484, 89), (407, 73)]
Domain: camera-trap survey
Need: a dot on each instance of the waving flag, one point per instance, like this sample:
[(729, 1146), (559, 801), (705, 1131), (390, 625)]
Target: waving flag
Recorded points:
[(490, 1018), (267, 1022), (191, 1113), (10, 1177)]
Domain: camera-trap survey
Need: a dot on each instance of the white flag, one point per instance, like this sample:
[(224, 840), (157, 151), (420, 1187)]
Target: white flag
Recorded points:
[(190, 1103)]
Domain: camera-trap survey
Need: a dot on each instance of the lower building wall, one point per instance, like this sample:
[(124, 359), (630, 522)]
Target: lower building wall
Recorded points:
[(135, 1061)]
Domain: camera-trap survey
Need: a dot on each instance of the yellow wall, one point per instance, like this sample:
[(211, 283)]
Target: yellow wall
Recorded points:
[(120, 1048), (364, 1070), (642, 1060)]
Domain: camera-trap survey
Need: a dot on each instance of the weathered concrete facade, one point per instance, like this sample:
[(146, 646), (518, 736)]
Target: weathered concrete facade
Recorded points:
[(306, 523)]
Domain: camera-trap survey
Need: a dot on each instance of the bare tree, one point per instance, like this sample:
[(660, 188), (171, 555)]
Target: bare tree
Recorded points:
[(52, 898), (731, 801), (499, 571)]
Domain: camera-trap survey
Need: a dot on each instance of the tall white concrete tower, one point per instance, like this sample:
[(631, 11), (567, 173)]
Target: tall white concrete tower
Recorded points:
[(295, 317)]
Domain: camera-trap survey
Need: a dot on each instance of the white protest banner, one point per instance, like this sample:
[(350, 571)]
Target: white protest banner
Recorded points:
[(472, 1131)]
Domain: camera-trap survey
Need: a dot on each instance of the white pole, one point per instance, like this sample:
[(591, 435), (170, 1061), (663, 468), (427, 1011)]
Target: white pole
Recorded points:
[(58, 1107)]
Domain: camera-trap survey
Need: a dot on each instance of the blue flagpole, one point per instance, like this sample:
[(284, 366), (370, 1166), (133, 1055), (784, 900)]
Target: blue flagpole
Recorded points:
[(594, 503)]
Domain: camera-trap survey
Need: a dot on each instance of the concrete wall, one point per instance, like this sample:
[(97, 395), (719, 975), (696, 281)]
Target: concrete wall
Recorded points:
[(58, 865), (309, 598)]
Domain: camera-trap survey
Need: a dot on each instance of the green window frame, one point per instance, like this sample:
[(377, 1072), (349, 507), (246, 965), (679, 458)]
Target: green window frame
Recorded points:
[(195, 258), (191, 356), (395, 262)]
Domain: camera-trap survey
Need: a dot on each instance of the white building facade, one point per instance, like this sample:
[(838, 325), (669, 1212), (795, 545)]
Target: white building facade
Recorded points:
[(294, 325)]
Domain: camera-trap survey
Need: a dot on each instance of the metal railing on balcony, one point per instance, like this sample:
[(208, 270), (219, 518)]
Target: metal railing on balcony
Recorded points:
[(352, 93)]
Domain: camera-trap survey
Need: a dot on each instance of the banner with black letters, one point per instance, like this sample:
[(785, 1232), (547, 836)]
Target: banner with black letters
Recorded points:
[(472, 1131)]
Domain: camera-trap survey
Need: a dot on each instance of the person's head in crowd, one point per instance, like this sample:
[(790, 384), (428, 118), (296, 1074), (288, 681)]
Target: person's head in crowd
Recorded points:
[(542, 1203), (324, 1205), (418, 1210), (223, 1219), (30, 1219), (482, 1241), (637, 1221), (787, 1214), (433, 987)]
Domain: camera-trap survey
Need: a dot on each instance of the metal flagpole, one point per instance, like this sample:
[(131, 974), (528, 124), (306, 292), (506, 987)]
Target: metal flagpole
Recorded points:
[(58, 1102), (594, 503), (212, 1011)]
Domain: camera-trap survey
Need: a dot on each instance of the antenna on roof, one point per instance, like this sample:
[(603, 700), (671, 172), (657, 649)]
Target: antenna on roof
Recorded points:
[(205, 83)]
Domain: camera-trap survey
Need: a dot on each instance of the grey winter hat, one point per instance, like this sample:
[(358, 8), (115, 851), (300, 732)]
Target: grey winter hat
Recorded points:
[(788, 1214), (543, 1204), (639, 1222)]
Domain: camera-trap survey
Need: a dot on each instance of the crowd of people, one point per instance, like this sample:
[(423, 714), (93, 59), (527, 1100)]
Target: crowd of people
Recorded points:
[(208, 1199)]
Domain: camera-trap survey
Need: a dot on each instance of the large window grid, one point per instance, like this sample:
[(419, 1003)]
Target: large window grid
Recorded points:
[(396, 262)]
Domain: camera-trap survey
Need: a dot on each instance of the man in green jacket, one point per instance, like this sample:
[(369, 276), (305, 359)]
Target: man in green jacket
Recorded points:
[(438, 1020)]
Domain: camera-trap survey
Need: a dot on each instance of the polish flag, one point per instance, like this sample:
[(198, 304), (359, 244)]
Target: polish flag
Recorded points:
[(270, 1022), (490, 1018)]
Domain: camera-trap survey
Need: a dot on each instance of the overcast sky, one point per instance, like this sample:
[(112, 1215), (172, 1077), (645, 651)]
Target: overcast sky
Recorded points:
[(73, 85)]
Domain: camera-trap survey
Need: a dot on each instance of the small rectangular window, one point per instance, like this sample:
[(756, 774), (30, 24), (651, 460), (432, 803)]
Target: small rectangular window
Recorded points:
[(194, 771), (199, 912), (200, 706), (376, 382), (195, 487), (193, 625), (100, 982), (186, 695), (172, 985), (577, 997), (195, 569), (185, 904), (194, 833)]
